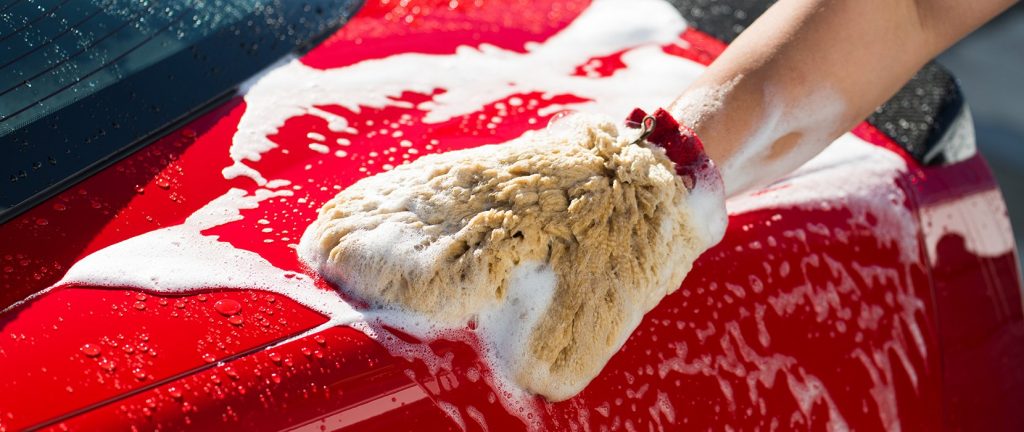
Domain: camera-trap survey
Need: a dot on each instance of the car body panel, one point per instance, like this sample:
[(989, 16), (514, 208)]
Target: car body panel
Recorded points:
[(818, 310)]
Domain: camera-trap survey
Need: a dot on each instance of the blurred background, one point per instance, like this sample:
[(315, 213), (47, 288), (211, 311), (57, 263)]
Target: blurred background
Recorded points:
[(990, 67)]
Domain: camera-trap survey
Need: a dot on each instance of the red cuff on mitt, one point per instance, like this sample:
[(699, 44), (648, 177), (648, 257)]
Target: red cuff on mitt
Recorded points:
[(681, 144)]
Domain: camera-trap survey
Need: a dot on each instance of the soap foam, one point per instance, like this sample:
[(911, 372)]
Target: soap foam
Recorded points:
[(466, 218), (473, 77), (501, 333), (815, 118), (694, 106), (180, 259), (850, 174), (505, 327)]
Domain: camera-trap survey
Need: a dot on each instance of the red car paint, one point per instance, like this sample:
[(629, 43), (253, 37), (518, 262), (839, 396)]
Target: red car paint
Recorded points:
[(929, 344)]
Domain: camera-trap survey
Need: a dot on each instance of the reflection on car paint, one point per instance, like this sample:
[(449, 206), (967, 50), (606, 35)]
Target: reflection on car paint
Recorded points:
[(811, 314)]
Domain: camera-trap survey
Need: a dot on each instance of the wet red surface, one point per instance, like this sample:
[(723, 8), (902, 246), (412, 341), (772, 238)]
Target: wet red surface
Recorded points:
[(385, 28), (802, 318)]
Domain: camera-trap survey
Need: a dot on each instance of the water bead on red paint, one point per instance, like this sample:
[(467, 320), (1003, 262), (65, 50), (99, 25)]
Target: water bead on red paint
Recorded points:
[(227, 307), (90, 350)]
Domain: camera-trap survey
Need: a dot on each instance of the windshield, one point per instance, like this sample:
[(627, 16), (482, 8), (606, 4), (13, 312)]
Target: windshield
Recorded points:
[(59, 52), (81, 81)]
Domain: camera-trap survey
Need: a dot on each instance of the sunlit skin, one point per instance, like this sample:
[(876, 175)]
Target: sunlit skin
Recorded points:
[(857, 52)]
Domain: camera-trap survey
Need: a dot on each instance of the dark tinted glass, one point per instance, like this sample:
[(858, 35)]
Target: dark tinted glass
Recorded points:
[(82, 82)]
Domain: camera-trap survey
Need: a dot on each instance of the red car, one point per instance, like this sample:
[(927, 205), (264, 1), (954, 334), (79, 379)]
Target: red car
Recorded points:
[(165, 157)]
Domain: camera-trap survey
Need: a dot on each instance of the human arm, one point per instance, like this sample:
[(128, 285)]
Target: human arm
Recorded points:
[(808, 70)]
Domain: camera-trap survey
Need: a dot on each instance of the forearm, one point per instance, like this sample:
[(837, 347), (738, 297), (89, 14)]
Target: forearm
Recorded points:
[(808, 70)]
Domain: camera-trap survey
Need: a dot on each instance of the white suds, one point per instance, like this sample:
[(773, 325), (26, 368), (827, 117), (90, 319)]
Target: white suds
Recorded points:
[(851, 174), (697, 103), (475, 77), (813, 118), (180, 258), (319, 148), (505, 328)]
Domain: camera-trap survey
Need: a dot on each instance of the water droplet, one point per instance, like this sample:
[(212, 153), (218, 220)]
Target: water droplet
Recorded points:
[(174, 392), (275, 357), (139, 374), (236, 320), (227, 307), (42, 222), (90, 350), (139, 305), (209, 358), (319, 339)]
